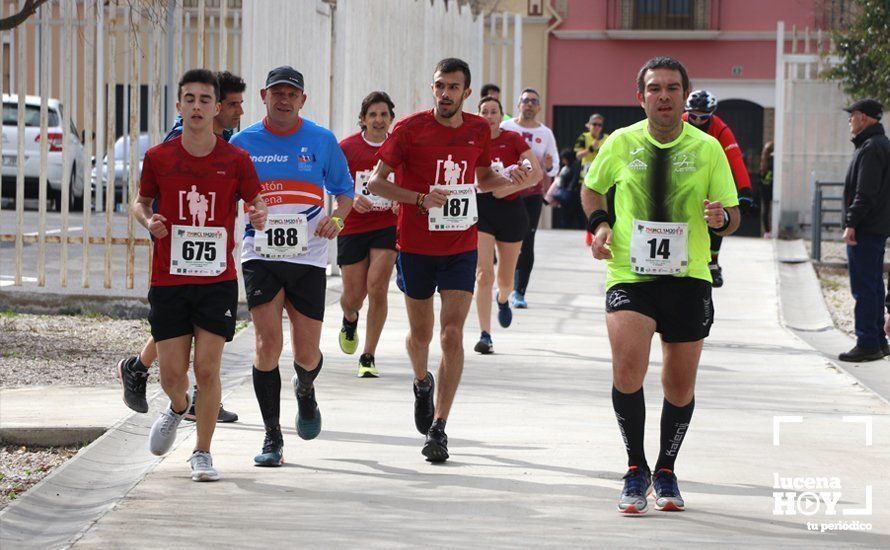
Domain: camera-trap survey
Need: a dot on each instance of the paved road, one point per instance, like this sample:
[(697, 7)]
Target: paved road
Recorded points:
[(536, 454)]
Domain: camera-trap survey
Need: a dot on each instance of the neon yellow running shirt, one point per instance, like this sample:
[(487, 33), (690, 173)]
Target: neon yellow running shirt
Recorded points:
[(661, 182)]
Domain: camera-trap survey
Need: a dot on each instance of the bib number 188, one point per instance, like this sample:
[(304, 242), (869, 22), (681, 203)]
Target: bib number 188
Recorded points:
[(282, 236)]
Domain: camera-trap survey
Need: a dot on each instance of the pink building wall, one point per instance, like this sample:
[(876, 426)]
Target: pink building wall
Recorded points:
[(602, 71)]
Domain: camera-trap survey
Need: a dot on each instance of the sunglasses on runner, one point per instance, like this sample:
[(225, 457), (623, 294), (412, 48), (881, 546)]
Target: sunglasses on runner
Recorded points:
[(529, 100), (692, 117)]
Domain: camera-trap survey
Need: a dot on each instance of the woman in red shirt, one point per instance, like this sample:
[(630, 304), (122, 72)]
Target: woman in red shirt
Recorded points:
[(503, 223)]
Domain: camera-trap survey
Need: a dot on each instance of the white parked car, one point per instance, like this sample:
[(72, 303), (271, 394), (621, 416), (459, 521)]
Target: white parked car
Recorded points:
[(121, 167), (55, 135)]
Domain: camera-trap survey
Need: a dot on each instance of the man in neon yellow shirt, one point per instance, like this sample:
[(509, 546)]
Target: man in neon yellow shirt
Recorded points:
[(672, 182)]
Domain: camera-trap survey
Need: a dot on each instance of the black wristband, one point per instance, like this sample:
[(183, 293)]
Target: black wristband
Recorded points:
[(595, 219), (725, 225)]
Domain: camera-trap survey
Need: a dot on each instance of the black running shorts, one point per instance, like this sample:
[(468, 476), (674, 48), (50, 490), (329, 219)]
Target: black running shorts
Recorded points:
[(176, 310), (304, 285), (681, 306), (506, 220), (353, 248)]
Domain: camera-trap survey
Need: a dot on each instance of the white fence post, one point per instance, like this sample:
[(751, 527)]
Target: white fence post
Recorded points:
[(45, 13)]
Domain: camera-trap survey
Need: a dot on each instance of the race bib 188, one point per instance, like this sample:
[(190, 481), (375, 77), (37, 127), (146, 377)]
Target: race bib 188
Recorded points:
[(659, 248), (285, 236), (459, 211), (198, 251)]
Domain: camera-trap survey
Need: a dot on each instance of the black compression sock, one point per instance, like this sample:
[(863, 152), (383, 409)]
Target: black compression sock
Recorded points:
[(630, 409), (267, 387), (674, 423), (307, 377), (138, 365), (351, 323)]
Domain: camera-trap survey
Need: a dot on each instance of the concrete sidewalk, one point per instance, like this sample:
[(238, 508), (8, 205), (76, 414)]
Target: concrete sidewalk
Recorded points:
[(536, 454)]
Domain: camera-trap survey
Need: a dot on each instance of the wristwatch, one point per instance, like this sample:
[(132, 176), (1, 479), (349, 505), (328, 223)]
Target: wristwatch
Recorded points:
[(339, 222)]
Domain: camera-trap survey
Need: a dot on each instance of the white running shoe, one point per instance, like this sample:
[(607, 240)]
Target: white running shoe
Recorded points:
[(202, 467), (163, 431)]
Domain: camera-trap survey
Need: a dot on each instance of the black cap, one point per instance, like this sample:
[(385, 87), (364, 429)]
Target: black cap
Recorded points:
[(285, 75), (870, 107)]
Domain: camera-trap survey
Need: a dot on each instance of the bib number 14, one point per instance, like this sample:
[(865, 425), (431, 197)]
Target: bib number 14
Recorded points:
[(659, 248)]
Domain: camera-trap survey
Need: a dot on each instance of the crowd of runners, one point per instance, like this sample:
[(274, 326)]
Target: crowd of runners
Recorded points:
[(449, 199)]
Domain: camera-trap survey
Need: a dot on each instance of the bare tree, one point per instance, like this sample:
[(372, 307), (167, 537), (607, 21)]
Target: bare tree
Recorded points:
[(17, 19)]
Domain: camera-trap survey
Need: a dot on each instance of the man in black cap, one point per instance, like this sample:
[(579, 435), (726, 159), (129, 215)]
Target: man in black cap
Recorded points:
[(298, 162), (866, 227)]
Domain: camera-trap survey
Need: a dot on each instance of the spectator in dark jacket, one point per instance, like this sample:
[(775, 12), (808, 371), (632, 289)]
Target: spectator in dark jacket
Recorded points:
[(866, 228)]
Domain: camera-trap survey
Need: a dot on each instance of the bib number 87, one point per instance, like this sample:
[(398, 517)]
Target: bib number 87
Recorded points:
[(659, 247), (280, 236), (198, 250), (457, 207)]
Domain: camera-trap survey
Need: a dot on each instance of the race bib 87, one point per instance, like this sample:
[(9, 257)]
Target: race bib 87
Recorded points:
[(459, 211)]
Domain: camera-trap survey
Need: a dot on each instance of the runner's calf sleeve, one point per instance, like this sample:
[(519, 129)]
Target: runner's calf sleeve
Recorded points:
[(307, 377), (630, 410), (267, 387), (674, 423)]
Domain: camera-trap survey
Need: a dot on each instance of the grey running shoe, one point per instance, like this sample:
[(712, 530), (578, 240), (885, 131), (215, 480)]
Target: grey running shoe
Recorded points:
[(637, 484), (667, 493), (202, 467), (163, 431)]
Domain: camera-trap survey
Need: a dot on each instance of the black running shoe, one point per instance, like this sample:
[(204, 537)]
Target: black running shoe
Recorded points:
[(133, 381), (424, 406), (435, 449), (308, 415), (273, 449), (222, 417)]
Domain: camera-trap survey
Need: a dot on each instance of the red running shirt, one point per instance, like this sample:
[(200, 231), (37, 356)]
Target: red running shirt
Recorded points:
[(417, 149), (507, 149), (362, 157), (718, 129), (173, 176)]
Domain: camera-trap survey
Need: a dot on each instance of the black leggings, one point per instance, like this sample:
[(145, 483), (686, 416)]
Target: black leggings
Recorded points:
[(533, 205), (716, 241)]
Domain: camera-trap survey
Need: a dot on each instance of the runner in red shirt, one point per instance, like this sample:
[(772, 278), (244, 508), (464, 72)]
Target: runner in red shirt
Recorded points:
[(366, 248), (438, 155), (503, 222), (197, 180), (700, 108)]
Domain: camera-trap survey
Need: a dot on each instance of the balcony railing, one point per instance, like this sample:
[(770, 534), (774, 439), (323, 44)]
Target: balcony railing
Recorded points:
[(650, 15)]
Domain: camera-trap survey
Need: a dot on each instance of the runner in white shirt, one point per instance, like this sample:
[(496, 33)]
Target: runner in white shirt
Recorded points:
[(543, 144)]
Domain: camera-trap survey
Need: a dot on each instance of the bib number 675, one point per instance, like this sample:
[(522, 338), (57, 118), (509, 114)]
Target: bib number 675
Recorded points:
[(198, 250)]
